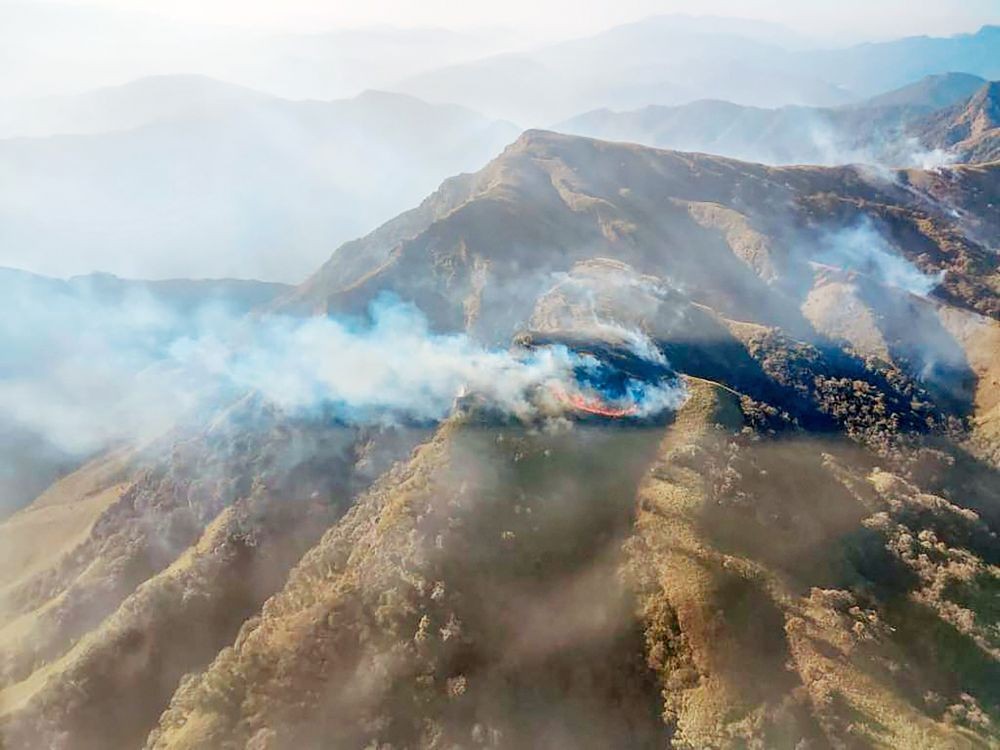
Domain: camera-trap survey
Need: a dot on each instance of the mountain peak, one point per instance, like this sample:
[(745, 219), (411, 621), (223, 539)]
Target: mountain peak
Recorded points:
[(535, 136), (931, 92), (988, 95), (982, 113)]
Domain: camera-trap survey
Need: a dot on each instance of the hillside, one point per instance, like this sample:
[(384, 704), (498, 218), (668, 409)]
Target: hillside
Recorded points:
[(971, 129), (922, 124), (929, 93), (874, 67), (717, 227), (798, 549), (103, 312)]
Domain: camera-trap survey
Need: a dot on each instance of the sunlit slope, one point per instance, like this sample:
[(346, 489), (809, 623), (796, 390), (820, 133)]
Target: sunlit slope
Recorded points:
[(471, 594), (809, 558), (701, 584), (738, 237), (147, 572), (894, 266), (803, 554), (786, 601)]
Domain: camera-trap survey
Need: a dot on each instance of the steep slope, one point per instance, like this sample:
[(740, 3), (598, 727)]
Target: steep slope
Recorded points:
[(463, 645), (185, 542), (971, 129), (738, 236), (501, 588), (798, 552), (774, 614)]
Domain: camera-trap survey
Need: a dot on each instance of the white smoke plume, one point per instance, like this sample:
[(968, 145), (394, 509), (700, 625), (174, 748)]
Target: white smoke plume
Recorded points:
[(864, 249), (394, 367), (85, 374)]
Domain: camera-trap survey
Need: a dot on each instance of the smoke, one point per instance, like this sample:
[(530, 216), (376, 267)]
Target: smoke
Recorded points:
[(864, 249), (921, 157), (787, 135), (221, 177), (883, 147), (85, 373), (393, 368)]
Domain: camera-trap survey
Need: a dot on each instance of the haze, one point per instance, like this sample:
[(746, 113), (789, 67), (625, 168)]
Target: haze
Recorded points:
[(243, 140), (850, 18)]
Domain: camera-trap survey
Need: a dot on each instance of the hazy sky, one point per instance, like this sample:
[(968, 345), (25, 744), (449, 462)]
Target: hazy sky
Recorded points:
[(864, 18), (67, 47)]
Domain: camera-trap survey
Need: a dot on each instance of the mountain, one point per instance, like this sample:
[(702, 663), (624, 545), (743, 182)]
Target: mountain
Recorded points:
[(613, 195), (40, 313), (919, 124), (663, 59), (930, 92), (971, 129), (224, 182), (879, 66), (671, 60), (796, 549)]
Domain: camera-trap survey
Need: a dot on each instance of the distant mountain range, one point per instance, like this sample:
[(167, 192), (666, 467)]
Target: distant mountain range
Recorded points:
[(188, 176), (948, 117), (668, 60), (662, 59), (870, 68)]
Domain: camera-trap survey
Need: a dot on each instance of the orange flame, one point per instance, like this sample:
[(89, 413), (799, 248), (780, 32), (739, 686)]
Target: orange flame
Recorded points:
[(593, 405)]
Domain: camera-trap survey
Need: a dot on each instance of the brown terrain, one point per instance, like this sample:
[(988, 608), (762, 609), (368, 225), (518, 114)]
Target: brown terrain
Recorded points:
[(970, 129), (803, 555)]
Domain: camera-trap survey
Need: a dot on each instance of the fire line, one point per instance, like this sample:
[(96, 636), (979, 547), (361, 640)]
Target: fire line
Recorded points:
[(593, 405)]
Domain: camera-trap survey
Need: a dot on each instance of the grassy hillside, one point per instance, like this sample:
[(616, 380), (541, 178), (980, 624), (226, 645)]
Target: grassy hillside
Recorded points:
[(799, 551)]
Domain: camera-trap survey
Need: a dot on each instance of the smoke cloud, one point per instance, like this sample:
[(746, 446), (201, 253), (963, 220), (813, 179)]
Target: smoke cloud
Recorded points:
[(84, 373), (864, 249), (394, 367)]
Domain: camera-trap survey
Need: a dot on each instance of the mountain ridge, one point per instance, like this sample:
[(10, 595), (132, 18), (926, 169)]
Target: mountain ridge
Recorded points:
[(800, 550), (632, 66), (923, 127)]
